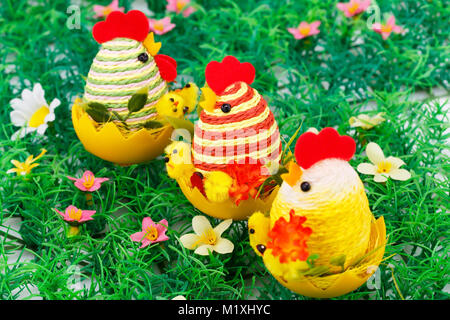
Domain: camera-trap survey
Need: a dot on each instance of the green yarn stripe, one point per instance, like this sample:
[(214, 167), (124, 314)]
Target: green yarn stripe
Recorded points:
[(118, 44), (150, 99), (101, 69), (114, 93), (117, 80), (124, 57), (117, 47)]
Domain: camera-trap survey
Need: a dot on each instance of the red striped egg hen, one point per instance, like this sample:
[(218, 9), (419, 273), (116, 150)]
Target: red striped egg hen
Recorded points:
[(236, 145)]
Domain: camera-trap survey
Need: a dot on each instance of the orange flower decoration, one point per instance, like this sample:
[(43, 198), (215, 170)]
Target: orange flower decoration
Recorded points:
[(247, 177), (289, 238)]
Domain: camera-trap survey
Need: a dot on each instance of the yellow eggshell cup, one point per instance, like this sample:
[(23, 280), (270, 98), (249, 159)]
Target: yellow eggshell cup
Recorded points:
[(108, 143), (342, 283), (227, 209)]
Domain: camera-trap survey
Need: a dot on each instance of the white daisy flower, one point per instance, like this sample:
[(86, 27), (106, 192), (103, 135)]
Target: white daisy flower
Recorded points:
[(32, 113)]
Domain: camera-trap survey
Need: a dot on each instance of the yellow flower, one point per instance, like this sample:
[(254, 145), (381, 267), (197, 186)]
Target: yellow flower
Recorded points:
[(206, 239), (24, 168), (382, 167), (366, 122)]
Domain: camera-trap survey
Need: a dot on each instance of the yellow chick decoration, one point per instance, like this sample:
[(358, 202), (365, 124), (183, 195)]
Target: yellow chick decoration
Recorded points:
[(190, 95), (179, 102), (215, 184), (321, 239), (171, 105), (178, 160), (258, 229)]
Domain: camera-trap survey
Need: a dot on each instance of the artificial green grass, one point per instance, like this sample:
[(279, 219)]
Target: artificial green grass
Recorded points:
[(322, 81)]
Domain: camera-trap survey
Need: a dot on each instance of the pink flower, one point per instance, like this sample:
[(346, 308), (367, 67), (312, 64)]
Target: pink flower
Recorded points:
[(104, 11), (73, 214), (305, 29), (161, 26), (178, 6), (88, 182), (353, 7), (151, 232), (386, 29)]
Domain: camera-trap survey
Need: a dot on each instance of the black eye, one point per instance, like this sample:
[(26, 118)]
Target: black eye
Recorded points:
[(175, 110), (305, 186), (166, 159), (172, 99), (261, 248), (187, 85), (252, 231), (225, 108), (143, 57)]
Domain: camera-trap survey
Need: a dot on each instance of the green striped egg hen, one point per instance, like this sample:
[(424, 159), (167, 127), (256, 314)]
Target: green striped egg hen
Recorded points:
[(126, 63)]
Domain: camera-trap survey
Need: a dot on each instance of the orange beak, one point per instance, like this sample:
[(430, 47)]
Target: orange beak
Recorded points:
[(294, 174)]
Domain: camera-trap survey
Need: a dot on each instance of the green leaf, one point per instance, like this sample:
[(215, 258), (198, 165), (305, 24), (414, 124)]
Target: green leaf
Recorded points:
[(98, 107), (276, 178), (117, 115), (338, 261), (138, 100), (151, 124), (181, 124), (316, 271), (312, 259), (98, 112)]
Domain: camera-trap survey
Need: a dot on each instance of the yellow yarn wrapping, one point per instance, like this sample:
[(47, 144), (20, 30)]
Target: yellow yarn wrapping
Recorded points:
[(335, 284), (340, 226)]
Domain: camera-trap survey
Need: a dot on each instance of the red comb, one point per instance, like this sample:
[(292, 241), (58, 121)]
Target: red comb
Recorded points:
[(328, 144), (219, 75), (167, 67), (132, 25)]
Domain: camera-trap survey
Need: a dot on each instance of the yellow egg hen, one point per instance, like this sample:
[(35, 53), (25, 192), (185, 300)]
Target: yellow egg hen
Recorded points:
[(321, 239)]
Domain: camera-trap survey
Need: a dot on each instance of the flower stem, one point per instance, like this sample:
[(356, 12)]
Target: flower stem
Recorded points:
[(73, 231), (362, 138), (89, 199)]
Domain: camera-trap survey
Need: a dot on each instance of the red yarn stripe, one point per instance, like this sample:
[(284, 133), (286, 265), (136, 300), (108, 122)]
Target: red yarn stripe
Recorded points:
[(247, 148), (246, 96), (240, 133), (253, 112), (233, 88), (221, 167)]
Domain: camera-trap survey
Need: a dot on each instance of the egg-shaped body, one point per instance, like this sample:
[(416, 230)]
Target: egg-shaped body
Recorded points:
[(240, 127), (121, 68), (336, 209)]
